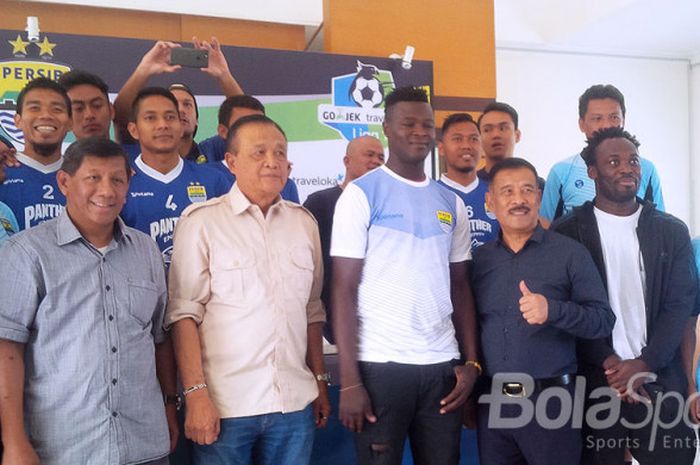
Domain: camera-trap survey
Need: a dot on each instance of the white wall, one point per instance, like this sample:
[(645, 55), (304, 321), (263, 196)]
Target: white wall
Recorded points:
[(544, 88), (695, 143), (304, 12)]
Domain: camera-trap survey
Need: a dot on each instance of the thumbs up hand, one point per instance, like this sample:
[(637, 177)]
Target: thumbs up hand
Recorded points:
[(534, 307)]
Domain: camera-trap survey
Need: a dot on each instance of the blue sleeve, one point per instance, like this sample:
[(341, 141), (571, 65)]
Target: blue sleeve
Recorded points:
[(551, 195), (213, 148), (290, 192), (9, 216)]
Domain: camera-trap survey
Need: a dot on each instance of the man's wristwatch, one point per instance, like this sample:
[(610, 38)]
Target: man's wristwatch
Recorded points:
[(173, 399), (325, 377)]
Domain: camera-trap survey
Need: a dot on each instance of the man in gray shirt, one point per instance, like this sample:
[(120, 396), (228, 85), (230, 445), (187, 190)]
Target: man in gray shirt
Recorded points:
[(82, 349)]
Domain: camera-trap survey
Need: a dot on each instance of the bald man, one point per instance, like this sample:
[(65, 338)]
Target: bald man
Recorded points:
[(362, 154)]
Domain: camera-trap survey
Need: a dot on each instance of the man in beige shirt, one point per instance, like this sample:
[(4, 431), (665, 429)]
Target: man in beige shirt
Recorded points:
[(246, 314)]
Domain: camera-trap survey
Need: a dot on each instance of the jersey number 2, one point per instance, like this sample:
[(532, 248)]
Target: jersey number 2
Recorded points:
[(48, 192)]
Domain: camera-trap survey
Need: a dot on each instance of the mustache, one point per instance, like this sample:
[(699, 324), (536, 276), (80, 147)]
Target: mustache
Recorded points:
[(520, 208)]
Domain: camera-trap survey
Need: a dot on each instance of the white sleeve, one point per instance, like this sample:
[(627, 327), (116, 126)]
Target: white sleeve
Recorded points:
[(461, 237), (350, 224)]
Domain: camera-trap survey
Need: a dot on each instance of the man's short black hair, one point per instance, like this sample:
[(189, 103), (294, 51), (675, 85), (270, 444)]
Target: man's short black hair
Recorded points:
[(502, 107), (404, 94), (457, 118), (43, 83), (98, 147), (78, 77), (150, 92), (513, 163), (238, 101), (589, 151), (599, 92), (250, 119)]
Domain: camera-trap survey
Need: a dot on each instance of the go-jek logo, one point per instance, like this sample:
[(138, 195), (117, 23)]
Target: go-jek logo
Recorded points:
[(31, 60), (358, 102)]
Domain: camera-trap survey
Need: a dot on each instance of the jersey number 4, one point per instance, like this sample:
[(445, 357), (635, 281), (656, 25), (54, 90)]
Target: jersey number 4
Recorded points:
[(169, 204)]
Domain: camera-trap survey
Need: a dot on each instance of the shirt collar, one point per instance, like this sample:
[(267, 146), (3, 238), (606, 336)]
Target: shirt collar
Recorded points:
[(455, 185), (67, 232), (537, 236), (240, 203)]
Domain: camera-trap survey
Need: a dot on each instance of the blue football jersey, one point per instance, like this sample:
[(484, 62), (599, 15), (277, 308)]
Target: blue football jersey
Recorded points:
[(482, 223), (31, 191), (155, 200)]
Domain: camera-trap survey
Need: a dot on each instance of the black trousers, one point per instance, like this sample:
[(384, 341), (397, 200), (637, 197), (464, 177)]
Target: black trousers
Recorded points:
[(535, 442), (406, 401), (655, 433)]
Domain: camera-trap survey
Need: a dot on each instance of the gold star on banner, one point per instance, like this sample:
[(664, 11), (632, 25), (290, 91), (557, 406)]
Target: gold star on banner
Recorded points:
[(46, 47), (18, 45)]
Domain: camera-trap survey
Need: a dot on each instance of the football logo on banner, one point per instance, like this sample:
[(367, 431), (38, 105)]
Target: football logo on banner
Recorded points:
[(31, 60), (358, 102)]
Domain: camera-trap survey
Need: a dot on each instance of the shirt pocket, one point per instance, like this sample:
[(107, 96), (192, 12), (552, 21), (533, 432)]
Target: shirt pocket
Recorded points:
[(299, 272), (232, 273), (143, 298)]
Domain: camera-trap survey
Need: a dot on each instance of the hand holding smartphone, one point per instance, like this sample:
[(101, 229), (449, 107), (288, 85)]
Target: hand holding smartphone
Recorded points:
[(189, 57)]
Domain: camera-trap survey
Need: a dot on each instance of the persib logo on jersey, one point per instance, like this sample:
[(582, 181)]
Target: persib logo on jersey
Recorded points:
[(196, 192), (446, 220), (357, 107), (30, 61)]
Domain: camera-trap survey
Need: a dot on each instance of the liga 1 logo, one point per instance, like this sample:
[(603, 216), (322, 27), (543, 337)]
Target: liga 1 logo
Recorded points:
[(357, 107), (30, 60)]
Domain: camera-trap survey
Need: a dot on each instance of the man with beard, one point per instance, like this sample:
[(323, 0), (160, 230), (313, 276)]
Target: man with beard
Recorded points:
[(460, 148), (157, 61), (8, 222), (163, 183), (30, 189), (646, 261), (568, 185)]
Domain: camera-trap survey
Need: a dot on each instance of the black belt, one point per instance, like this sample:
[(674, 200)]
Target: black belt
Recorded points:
[(517, 389)]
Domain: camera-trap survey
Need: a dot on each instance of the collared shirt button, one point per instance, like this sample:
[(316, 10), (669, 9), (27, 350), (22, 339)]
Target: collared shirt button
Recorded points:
[(111, 317), (114, 414), (114, 349), (107, 287), (114, 380)]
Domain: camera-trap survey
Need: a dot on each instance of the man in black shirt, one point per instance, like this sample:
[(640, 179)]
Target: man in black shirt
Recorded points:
[(536, 292), (362, 155), (646, 260)]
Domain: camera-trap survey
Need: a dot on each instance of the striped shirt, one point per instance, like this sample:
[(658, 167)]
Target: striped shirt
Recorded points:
[(407, 233)]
